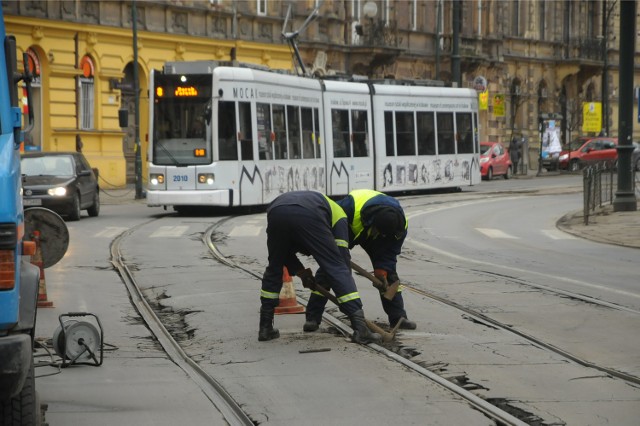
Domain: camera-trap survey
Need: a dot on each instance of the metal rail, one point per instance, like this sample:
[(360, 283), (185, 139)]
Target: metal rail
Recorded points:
[(230, 410), (483, 318), (480, 404)]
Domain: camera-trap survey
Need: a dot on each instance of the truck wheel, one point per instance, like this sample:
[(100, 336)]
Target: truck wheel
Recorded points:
[(23, 410)]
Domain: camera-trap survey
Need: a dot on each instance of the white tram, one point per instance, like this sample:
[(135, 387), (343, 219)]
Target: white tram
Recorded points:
[(233, 136)]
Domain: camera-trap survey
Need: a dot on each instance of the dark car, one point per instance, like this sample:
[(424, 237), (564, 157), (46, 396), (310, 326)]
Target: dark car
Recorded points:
[(60, 181), (494, 161), (583, 151)]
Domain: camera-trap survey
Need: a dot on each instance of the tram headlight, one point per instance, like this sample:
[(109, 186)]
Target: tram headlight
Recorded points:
[(206, 178), (157, 179)]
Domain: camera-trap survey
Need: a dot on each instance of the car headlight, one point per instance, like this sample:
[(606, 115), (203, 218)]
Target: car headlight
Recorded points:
[(59, 191), (483, 160), (564, 157)]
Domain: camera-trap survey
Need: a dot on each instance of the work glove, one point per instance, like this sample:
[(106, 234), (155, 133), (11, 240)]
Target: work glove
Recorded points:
[(381, 274), (308, 280), (392, 277)]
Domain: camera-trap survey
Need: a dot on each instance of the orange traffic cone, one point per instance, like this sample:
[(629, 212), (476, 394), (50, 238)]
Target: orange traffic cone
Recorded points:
[(288, 302), (36, 259)]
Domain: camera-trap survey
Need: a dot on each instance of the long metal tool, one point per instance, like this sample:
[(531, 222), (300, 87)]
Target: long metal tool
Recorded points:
[(388, 291), (386, 336)]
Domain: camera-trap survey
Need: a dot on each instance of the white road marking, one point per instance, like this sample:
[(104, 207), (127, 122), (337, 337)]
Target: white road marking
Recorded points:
[(556, 234), (245, 231), (169, 231), (110, 232), (495, 233)]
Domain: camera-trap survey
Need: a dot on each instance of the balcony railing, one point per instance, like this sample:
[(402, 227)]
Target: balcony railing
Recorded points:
[(378, 34), (584, 48)]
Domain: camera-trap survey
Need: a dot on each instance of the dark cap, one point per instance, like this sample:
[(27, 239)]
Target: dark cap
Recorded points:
[(389, 222)]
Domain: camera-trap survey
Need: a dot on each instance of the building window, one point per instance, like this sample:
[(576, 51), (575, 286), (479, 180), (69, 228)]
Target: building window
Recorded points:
[(86, 98), (413, 13), (262, 7), (386, 12), (515, 18), (542, 20), (355, 7)]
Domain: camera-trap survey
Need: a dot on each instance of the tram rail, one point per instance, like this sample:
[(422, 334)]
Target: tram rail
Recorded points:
[(225, 403), (214, 391)]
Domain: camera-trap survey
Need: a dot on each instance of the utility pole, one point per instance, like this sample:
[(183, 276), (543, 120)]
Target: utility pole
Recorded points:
[(136, 88), (455, 55), (625, 197), (606, 14)]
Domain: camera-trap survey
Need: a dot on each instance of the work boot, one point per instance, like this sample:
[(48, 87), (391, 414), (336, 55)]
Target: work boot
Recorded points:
[(267, 332), (310, 325), (405, 325), (361, 333)]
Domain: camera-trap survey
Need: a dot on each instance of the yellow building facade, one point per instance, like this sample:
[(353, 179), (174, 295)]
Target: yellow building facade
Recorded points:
[(58, 53)]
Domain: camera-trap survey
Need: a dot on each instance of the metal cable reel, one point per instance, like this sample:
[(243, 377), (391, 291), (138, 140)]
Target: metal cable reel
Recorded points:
[(78, 342)]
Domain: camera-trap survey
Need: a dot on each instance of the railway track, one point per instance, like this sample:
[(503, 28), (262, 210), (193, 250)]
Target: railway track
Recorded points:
[(216, 393), (225, 403)]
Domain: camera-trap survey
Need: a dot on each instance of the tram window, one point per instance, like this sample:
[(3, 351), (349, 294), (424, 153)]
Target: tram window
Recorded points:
[(280, 131), (340, 125), (476, 141), (359, 132), (446, 142), (263, 116), (293, 124), (227, 149), (426, 134), (246, 131), (307, 133), (388, 133), (464, 133), (316, 126), (405, 133)]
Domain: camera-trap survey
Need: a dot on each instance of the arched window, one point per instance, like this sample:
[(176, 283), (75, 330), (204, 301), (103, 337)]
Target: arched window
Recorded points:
[(542, 97), (86, 94)]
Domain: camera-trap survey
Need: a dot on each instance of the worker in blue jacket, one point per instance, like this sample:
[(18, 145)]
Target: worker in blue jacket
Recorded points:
[(376, 223), (310, 223)]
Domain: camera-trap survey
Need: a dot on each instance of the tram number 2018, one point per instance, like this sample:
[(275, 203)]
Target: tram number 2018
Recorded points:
[(181, 178)]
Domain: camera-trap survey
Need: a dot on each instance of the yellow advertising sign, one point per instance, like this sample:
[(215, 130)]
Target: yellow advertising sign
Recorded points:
[(498, 105), (483, 100), (591, 117)]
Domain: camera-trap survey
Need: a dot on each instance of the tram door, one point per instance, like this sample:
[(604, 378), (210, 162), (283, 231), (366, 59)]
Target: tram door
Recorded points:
[(250, 182), (348, 131)]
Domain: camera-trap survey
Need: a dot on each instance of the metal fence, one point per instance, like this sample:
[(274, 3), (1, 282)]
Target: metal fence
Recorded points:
[(600, 182)]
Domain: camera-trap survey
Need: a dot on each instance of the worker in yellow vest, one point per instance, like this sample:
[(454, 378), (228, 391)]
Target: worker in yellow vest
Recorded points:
[(376, 223), (310, 223)]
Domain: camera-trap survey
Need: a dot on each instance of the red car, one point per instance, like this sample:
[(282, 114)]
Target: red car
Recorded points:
[(586, 150), (494, 161)]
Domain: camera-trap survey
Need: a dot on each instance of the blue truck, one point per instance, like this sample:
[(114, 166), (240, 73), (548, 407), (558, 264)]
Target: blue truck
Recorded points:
[(19, 279)]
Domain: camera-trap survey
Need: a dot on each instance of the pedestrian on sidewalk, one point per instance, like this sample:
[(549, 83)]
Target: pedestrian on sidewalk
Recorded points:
[(376, 223), (514, 151), (310, 223)]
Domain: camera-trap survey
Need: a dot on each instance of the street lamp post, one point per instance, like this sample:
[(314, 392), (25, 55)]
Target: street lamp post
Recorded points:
[(136, 88), (606, 13)]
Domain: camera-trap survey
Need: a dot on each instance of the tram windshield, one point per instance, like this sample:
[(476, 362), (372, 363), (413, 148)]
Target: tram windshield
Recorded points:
[(182, 120)]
